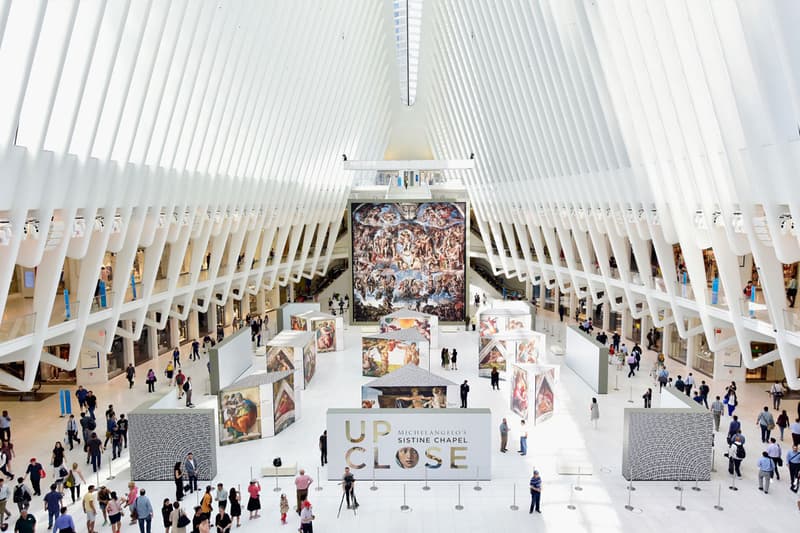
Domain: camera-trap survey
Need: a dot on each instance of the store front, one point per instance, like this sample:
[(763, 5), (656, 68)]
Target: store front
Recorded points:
[(116, 357), (54, 374), (635, 330), (549, 299), (614, 321), (768, 372), (183, 331), (141, 352), (677, 348), (202, 324), (164, 336)]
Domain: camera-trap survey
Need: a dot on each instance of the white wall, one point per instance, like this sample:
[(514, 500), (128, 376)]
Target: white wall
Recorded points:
[(587, 358), (230, 359)]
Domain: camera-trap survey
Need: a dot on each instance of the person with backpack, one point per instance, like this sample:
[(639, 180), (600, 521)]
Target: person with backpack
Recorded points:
[(81, 395), (704, 392), (4, 514), (187, 389), (122, 429), (73, 482), (72, 431), (663, 378), (736, 455), (52, 504), (4, 465), (91, 403), (95, 448), (22, 495)]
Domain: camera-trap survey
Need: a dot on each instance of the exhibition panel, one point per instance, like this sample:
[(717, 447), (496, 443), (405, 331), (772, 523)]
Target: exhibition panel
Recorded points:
[(668, 443), (287, 310), (409, 255), (588, 359), (327, 329), (515, 345), (408, 387), (230, 359), (405, 444), (160, 437), (427, 325), (292, 350), (382, 353), (247, 409)]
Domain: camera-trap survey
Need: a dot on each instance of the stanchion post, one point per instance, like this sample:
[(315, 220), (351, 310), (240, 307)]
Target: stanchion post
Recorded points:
[(696, 487), (713, 459), (374, 486), (477, 479), (578, 485), (319, 482), (570, 505), (404, 507), (719, 507), (425, 486), (459, 507), (277, 488), (680, 506), (110, 474), (514, 506), (616, 380), (630, 487), (630, 393), (679, 486)]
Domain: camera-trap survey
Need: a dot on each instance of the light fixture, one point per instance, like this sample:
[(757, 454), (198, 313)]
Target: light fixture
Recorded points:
[(407, 15), (31, 229), (78, 228), (787, 224), (116, 224), (737, 222)]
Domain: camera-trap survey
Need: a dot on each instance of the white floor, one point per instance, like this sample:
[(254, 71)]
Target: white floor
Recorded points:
[(567, 436)]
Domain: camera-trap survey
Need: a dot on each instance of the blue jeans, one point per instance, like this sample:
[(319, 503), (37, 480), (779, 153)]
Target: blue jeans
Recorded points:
[(523, 445), (96, 458), (51, 516), (535, 499), (142, 522)]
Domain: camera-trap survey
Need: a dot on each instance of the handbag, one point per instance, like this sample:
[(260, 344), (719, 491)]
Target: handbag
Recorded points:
[(183, 520), (42, 473)]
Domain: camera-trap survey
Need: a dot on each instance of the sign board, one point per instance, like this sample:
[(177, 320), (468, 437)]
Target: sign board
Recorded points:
[(402, 444)]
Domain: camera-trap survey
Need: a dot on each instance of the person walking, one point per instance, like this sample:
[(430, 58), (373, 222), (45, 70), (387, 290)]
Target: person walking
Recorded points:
[(221, 496), (704, 390), (689, 384), (302, 482), (26, 523), (717, 408), (454, 360), (648, 398), (175, 517), (73, 482), (5, 464), (169, 372), (307, 517), (791, 291), (782, 422), (446, 358), (151, 380), (733, 428), (90, 508), (736, 455), (122, 429), (765, 470), (536, 492), (52, 504), (795, 429), (114, 510), (34, 473), (495, 379), (166, 514), (95, 449), (130, 375), (443, 356), (235, 505), (766, 423), (187, 389), (594, 412), (284, 508), (523, 439), (663, 378), (4, 495), (81, 395), (190, 470), (144, 512), (793, 462), (464, 392), (504, 436), (176, 357), (206, 503), (254, 502), (22, 495), (731, 400), (776, 456), (180, 379), (631, 360), (5, 426), (349, 488), (776, 391), (323, 448), (72, 431), (64, 523)]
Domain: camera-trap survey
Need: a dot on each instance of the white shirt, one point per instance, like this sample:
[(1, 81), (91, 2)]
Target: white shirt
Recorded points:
[(774, 450), (3, 492), (690, 380), (795, 427), (776, 388), (305, 515)]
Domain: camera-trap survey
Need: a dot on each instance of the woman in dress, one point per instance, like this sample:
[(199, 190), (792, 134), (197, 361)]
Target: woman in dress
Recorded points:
[(73, 481), (235, 505), (594, 412), (166, 514), (57, 459), (174, 516), (114, 508), (178, 475), (151, 381), (254, 503)]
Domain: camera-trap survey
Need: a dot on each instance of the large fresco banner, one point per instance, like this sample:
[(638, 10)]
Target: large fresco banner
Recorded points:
[(409, 255)]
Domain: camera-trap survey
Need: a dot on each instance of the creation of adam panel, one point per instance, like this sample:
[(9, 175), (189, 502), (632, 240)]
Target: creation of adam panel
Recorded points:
[(409, 255)]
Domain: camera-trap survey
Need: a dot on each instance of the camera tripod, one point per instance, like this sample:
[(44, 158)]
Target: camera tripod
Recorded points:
[(341, 502)]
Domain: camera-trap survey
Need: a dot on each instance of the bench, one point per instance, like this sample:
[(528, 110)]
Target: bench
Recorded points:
[(281, 471)]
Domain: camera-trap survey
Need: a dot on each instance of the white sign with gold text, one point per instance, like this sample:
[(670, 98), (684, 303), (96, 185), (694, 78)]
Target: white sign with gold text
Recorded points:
[(404, 444)]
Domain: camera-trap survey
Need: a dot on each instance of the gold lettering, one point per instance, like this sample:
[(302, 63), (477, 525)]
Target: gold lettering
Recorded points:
[(437, 461), (454, 457), (363, 431), (377, 433), (347, 455), (376, 464)]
